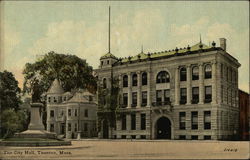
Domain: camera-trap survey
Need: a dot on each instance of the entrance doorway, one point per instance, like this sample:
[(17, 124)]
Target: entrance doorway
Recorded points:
[(105, 129), (163, 128), (62, 128)]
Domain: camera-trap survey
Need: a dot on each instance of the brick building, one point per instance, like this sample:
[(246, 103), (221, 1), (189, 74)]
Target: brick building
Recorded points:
[(244, 115)]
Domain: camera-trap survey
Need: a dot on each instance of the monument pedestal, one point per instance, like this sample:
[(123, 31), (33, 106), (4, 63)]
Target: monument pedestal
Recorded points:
[(36, 127)]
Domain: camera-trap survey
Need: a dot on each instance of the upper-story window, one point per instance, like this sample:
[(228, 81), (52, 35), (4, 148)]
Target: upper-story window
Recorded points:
[(125, 81), (134, 80), (69, 112), (144, 78), (208, 94), (107, 61), (195, 73), (55, 100), (208, 71), (52, 113), (101, 62), (49, 99), (104, 83), (86, 113), (183, 74), (163, 77)]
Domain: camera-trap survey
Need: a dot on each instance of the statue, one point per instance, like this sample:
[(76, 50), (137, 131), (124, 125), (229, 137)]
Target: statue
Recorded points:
[(36, 92)]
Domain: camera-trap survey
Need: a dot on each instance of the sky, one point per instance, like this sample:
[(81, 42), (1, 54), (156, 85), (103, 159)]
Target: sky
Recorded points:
[(30, 29)]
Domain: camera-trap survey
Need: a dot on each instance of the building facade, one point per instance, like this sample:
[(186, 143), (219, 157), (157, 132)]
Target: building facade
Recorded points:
[(70, 114), (244, 115), (185, 93)]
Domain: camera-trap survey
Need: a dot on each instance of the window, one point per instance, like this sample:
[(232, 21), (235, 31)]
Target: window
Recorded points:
[(86, 113), (101, 62), (183, 74), (107, 61), (133, 122), (208, 94), (195, 73), (69, 112), (55, 100), (133, 136), (182, 119), (166, 96), (195, 95), (52, 129), (123, 118), (134, 99), (125, 81), (182, 137), (144, 98), (207, 119), (143, 121), (221, 70), (222, 94), (134, 80), (85, 127), (64, 98), (226, 73), (69, 126), (206, 137), (125, 99), (90, 98), (194, 120), (104, 83), (195, 137), (75, 127), (52, 113), (183, 96), (144, 78), (123, 137), (49, 99), (163, 77), (158, 97), (76, 112), (208, 71), (143, 136)]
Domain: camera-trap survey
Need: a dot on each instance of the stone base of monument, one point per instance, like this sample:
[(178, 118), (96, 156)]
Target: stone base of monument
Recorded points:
[(36, 135)]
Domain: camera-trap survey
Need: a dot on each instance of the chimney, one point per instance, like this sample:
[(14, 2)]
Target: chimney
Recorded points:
[(223, 44)]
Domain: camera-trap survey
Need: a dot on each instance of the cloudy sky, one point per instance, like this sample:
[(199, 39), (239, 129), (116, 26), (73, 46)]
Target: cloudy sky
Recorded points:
[(30, 29)]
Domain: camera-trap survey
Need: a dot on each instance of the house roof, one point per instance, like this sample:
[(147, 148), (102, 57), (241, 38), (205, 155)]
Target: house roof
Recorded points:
[(108, 55), (80, 96), (55, 88)]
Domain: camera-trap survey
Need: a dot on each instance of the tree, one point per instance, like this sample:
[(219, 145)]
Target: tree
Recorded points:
[(9, 91), (72, 71)]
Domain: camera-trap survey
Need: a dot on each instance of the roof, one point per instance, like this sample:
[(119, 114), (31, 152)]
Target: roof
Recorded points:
[(165, 53), (80, 97), (55, 88), (108, 55)]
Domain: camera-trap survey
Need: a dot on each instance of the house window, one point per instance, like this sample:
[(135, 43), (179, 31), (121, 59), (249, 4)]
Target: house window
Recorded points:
[(134, 80), (76, 112), (86, 113), (143, 121), (69, 112), (101, 62), (208, 94), (52, 113), (125, 99), (123, 119), (183, 96), (134, 99), (49, 99), (144, 78), (90, 98), (104, 83), (183, 74), (195, 73), (133, 121), (166, 96), (144, 98), (125, 81), (206, 137), (195, 95), (194, 120), (182, 119), (52, 128), (208, 71), (64, 98), (55, 100), (182, 137), (163, 77), (194, 137), (107, 61), (69, 126), (158, 97), (85, 127), (207, 119), (75, 127)]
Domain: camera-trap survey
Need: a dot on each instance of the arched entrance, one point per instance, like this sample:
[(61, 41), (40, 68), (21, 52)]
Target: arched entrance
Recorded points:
[(163, 128), (105, 129)]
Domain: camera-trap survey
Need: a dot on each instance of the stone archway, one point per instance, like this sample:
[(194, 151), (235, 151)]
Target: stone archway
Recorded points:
[(163, 128)]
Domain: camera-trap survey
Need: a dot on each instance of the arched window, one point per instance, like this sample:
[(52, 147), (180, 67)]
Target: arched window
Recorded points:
[(183, 74), (104, 83), (134, 80), (144, 78), (208, 71), (195, 73), (162, 77), (125, 81)]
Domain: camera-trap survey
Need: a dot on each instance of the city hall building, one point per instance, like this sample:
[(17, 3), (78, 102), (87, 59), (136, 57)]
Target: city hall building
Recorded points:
[(184, 93)]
